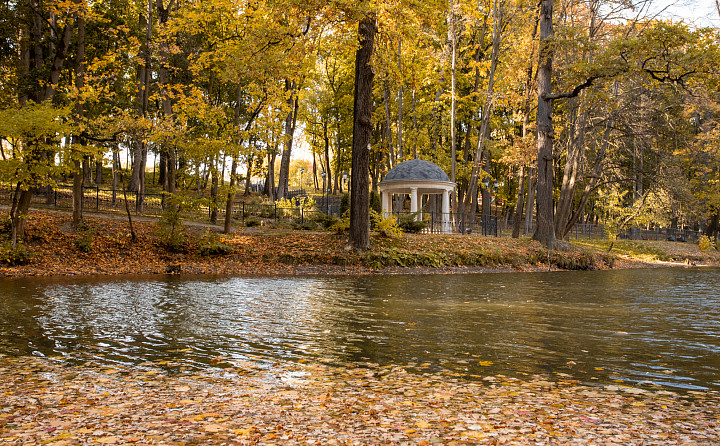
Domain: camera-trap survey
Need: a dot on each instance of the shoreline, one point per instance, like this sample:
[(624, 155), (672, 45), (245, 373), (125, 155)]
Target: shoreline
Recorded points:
[(104, 249)]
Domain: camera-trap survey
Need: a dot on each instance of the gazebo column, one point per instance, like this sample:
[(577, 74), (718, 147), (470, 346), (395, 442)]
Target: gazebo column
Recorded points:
[(414, 201), (386, 204), (446, 212)]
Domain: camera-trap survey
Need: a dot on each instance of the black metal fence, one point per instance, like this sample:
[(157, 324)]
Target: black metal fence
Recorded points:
[(95, 199), (452, 223)]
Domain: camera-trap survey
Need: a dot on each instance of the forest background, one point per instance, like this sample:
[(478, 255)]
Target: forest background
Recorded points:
[(588, 111)]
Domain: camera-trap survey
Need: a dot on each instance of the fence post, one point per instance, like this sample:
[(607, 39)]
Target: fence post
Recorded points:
[(243, 212), (97, 198)]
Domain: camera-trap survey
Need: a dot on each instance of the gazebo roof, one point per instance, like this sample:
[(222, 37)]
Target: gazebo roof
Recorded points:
[(416, 170)]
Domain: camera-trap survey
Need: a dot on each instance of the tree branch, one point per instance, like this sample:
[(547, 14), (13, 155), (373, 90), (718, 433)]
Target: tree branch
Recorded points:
[(575, 91)]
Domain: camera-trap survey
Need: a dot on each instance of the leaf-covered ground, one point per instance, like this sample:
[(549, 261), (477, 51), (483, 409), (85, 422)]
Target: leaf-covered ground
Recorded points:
[(49, 402), (104, 247)]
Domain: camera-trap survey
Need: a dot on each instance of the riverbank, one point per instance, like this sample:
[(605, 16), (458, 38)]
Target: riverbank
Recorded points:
[(104, 247), (47, 401)]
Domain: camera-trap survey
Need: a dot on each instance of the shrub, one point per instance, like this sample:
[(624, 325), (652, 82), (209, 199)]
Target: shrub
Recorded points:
[(375, 202), (704, 243), (20, 255), (324, 220), (5, 225), (170, 226), (307, 225), (388, 227), (344, 203), (408, 223), (86, 233), (211, 245), (253, 222), (343, 224)]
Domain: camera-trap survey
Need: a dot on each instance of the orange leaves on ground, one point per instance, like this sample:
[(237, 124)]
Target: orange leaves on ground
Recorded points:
[(105, 248)]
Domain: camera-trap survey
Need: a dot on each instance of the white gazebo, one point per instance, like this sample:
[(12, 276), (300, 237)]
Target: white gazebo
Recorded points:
[(417, 178)]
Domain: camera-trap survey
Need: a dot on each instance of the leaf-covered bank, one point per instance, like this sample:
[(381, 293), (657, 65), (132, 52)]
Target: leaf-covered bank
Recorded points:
[(46, 401), (105, 247)]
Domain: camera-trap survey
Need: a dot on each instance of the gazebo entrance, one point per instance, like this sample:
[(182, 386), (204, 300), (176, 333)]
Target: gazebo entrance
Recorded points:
[(417, 178)]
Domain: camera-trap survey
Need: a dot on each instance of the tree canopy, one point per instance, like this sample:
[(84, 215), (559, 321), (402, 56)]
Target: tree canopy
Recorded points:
[(558, 104)]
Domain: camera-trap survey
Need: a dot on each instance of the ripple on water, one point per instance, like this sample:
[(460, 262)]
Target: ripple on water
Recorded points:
[(658, 326)]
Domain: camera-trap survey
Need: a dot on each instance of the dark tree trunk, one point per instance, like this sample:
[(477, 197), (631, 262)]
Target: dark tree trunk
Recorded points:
[(214, 193), (290, 123), (230, 198), (362, 131), (78, 177), (713, 226), (545, 230), (517, 219)]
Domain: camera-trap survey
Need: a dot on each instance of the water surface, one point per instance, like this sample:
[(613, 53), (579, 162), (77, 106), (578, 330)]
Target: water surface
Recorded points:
[(655, 327)]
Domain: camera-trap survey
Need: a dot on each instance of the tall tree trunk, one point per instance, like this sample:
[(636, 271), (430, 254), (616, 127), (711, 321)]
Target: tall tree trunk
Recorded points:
[(530, 208), (517, 220), (453, 139), (576, 148), (137, 179), (167, 151), (591, 185), (392, 160), (545, 230), (415, 125), (290, 123), (115, 169), (214, 188), (270, 178), (18, 214), (400, 103), (248, 175), (233, 168), (362, 130), (470, 202), (78, 177), (230, 197)]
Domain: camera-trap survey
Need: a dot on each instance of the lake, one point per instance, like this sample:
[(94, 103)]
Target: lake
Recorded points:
[(657, 327)]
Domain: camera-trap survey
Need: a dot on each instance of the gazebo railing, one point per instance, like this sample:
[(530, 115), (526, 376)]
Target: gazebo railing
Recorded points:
[(454, 223)]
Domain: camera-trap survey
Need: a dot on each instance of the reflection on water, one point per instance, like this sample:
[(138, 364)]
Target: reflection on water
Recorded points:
[(659, 326)]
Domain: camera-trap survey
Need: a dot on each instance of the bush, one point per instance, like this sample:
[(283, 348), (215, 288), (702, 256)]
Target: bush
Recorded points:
[(704, 243), (343, 224), (344, 203), (388, 227), (86, 233), (20, 255), (5, 225), (408, 223), (307, 225), (170, 226), (375, 202), (253, 222), (324, 220), (211, 245)]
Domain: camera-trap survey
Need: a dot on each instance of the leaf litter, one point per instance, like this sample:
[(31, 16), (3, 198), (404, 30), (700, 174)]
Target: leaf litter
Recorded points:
[(48, 401)]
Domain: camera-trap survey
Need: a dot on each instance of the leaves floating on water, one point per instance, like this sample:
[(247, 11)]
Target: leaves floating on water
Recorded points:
[(49, 402)]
